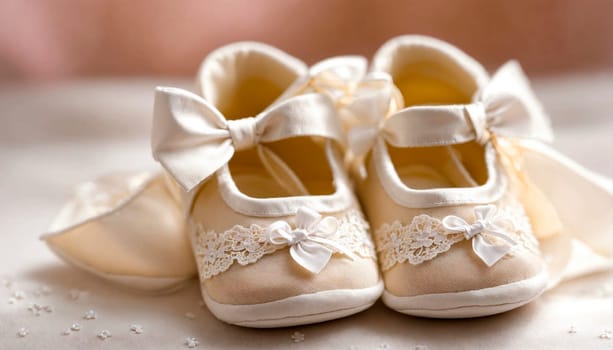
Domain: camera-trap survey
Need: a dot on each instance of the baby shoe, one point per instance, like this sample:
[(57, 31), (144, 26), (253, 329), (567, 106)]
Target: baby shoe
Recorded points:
[(452, 236), (278, 236), (128, 229)]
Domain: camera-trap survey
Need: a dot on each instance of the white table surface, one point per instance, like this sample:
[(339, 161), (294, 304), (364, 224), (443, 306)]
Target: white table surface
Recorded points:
[(53, 136)]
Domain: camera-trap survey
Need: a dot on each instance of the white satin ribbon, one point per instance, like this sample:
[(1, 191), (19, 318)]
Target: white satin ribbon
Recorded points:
[(506, 107), (192, 139), (310, 243), (486, 222)]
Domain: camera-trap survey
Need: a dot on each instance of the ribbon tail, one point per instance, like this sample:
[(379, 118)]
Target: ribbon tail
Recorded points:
[(337, 246), (583, 201), (487, 252), (542, 213), (311, 255), (580, 196)]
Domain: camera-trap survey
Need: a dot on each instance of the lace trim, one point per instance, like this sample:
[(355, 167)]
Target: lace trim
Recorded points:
[(216, 252), (425, 238)]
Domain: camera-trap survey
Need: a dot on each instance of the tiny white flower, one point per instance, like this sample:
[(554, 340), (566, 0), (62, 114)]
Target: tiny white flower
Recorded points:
[(105, 334), (136, 329), (297, 337), (90, 315), (23, 332), (191, 342)]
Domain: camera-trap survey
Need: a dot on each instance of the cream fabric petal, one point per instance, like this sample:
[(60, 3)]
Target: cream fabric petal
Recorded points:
[(126, 228)]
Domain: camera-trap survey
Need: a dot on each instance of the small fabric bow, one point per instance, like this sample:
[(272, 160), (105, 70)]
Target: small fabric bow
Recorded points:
[(506, 107), (486, 222), (310, 243), (192, 139)]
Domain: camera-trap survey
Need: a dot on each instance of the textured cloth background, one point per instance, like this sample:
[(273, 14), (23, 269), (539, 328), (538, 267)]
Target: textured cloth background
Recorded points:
[(53, 137)]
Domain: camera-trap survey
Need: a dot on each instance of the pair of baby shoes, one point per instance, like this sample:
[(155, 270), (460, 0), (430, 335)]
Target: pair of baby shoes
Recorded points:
[(264, 165)]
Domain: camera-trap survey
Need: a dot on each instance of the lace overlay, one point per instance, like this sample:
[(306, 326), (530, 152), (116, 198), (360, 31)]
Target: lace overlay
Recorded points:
[(425, 238), (216, 252)]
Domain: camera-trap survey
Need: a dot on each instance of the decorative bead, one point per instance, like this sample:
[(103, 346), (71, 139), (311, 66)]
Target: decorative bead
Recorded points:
[(75, 327), (19, 294), (606, 334), (572, 330), (191, 342), (67, 332)]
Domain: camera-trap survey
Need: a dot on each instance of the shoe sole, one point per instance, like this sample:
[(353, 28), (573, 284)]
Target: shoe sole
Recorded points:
[(473, 303), (297, 310)]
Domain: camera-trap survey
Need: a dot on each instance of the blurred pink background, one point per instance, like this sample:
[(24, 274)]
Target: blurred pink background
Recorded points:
[(59, 39)]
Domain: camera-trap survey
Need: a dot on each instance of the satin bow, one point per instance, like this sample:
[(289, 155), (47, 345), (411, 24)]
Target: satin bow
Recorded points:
[(192, 139), (310, 243), (486, 222), (506, 106), (360, 97)]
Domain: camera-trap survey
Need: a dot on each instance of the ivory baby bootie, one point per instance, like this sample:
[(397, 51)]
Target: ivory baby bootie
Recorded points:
[(452, 236), (276, 231)]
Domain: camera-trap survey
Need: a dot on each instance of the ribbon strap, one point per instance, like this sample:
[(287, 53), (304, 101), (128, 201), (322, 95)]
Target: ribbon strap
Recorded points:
[(506, 107), (192, 139)]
